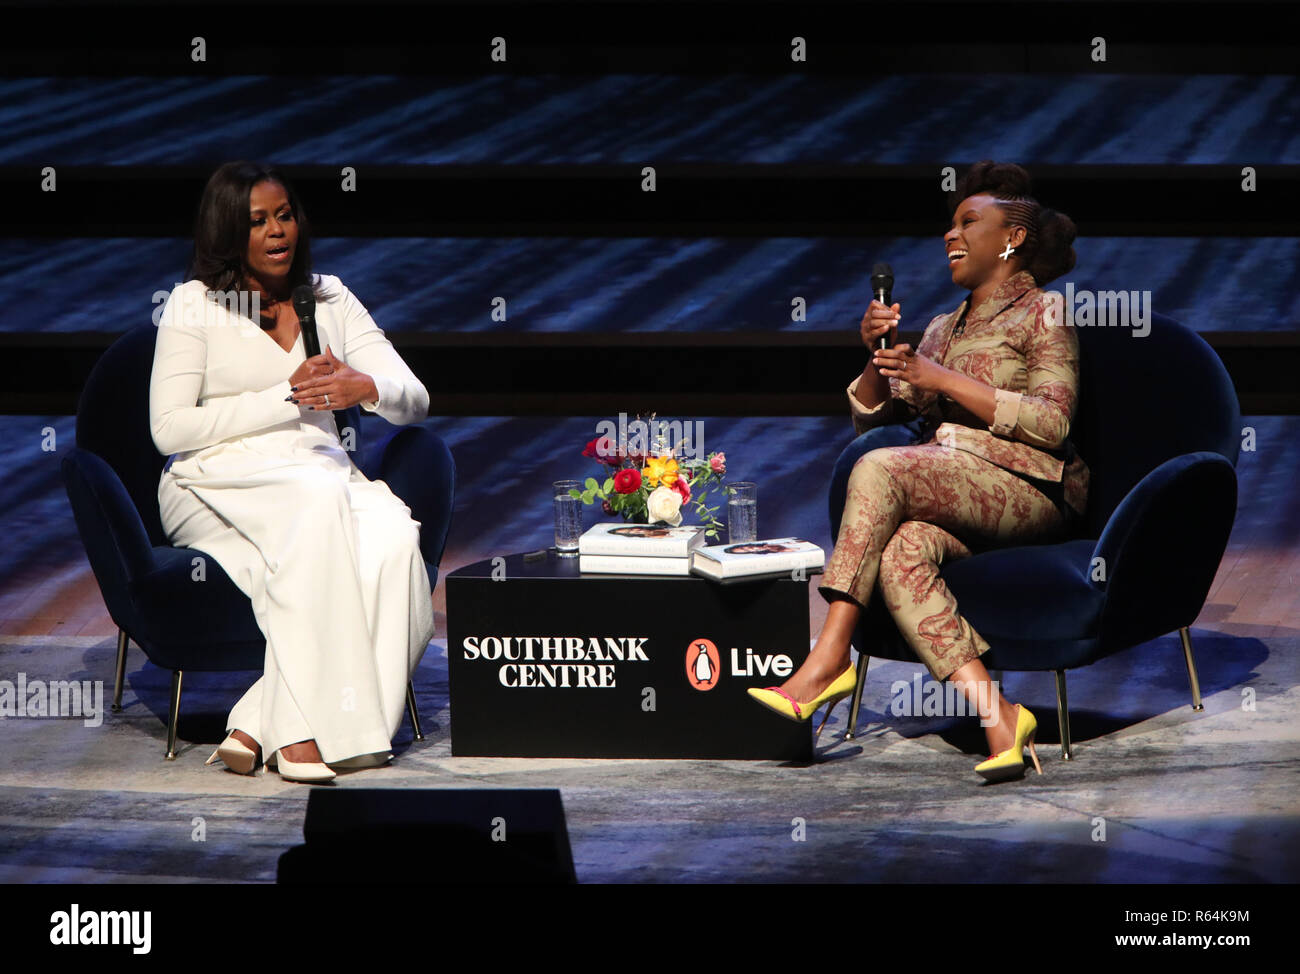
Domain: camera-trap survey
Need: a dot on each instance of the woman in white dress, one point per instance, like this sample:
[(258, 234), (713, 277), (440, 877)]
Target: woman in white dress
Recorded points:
[(262, 482)]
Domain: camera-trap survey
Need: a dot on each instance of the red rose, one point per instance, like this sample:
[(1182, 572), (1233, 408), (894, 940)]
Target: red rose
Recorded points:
[(627, 481), (602, 450), (682, 487)]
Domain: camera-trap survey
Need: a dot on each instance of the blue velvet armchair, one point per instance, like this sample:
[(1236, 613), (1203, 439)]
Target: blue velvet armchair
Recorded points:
[(111, 477), (1159, 426)]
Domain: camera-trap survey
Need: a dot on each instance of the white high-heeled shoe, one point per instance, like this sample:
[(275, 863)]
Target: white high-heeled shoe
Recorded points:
[(235, 755), (310, 772)]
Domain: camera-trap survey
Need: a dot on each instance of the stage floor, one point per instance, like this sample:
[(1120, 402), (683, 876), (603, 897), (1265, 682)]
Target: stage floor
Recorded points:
[(1156, 792)]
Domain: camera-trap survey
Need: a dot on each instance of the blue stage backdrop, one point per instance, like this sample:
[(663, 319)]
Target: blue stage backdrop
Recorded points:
[(669, 284)]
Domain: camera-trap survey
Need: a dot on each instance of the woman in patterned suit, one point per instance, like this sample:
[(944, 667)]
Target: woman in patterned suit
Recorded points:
[(996, 383)]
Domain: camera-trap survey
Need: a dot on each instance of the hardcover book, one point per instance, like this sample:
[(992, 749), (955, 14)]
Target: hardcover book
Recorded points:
[(641, 540), (632, 565), (765, 557)]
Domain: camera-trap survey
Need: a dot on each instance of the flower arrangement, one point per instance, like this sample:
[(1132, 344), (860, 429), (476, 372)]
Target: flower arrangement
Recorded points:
[(653, 486)]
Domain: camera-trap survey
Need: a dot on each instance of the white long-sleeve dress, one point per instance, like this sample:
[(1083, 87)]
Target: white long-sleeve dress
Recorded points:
[(330, 560)]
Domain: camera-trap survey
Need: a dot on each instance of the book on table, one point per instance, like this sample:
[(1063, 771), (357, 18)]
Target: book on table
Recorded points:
[(619, 548), (632, 565), (771, 556), (641, 540)]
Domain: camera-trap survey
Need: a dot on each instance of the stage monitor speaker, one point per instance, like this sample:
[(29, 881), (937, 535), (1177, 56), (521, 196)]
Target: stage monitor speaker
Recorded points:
[(431, 835)]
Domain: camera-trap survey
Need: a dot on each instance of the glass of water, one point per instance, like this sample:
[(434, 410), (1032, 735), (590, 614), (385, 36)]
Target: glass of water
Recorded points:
[(568, 517), (742, 512)]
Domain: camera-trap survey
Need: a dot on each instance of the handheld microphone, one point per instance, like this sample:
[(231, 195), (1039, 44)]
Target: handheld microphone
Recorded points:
[(882, 285), (304, 305)]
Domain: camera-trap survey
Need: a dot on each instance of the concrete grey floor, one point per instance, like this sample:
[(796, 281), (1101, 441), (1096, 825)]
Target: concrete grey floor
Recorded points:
[(1156, 793)]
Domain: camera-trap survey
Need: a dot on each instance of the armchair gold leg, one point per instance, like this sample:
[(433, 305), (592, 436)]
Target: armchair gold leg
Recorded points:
[(1063, 716), (1186, 635), (863, 662), (121, 669), (415, 713), (173, 715)]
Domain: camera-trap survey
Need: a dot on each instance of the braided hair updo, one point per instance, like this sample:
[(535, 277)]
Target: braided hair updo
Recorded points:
[(1046, 251)]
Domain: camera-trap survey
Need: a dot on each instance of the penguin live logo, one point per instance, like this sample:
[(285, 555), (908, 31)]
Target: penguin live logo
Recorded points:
[(704, 664)]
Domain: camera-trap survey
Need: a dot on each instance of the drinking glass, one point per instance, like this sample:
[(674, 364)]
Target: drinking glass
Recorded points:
[(742, 512), (568, 517)]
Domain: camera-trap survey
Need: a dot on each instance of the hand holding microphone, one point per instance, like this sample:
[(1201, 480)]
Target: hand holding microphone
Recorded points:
[(879, 330), (880, 333), (316, 365), (322, 375), (880, 324)]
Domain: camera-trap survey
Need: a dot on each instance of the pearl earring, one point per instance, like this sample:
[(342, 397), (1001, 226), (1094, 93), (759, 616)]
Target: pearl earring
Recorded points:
[(1006, 254)]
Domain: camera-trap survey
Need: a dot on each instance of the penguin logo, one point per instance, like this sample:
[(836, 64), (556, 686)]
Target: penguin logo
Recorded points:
[(702, 664)]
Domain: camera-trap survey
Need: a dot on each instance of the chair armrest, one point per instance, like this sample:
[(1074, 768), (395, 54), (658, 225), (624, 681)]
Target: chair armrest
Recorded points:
[(117, 545), (418, 467), (1162, 546), (896, 434)]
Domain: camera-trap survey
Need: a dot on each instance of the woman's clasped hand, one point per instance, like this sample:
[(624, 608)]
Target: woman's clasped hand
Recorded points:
[(324, 375)]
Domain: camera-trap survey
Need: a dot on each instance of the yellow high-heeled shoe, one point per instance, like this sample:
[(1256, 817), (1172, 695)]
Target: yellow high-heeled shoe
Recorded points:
[(1010, 763), (235, 755), (776, 699)]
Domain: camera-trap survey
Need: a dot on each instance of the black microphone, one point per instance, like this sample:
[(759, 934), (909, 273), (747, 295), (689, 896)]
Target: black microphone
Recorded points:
[(882, 284), (304, 305)]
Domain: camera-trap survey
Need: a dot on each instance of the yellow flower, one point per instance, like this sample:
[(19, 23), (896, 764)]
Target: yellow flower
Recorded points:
[(659, 470)]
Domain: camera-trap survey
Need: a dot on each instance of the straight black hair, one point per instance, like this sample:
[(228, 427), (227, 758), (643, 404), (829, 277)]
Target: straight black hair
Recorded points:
[(222, 226)]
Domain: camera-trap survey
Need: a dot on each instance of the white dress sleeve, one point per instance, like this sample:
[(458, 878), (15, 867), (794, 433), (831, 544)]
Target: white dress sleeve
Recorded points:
[(177, 422), (403, 398)]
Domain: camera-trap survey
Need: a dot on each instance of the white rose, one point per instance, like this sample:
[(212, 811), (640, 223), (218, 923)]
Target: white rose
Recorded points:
[(664, 504)]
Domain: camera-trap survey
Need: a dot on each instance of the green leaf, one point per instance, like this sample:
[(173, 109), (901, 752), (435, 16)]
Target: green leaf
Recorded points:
[(609, 485), (575, 492), (588, 496), (591, 484)]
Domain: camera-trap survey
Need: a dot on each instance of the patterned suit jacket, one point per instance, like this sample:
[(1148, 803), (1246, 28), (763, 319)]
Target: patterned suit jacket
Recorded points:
[(1019, 342)]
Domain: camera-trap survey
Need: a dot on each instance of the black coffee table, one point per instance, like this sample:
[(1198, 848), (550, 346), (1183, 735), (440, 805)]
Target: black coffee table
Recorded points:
[(548, 662)]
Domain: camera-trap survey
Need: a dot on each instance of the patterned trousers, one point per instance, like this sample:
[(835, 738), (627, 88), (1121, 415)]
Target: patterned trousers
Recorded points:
[(909, 509)]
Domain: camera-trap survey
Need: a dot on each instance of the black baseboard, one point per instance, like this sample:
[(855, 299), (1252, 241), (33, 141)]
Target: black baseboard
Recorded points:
[(690, 200), (844, 38), (716, 374)]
